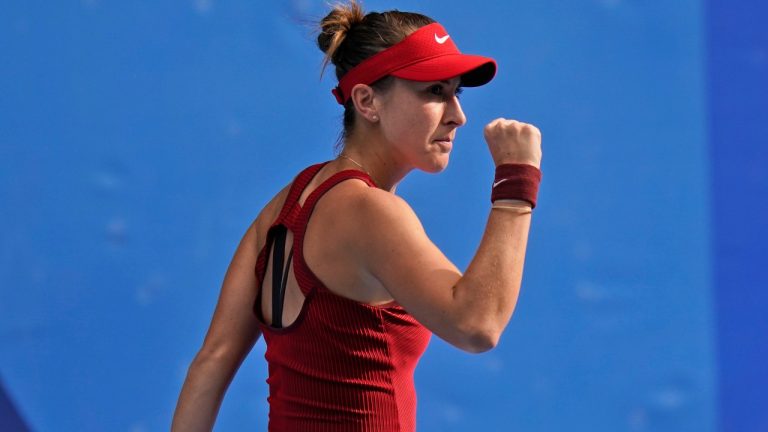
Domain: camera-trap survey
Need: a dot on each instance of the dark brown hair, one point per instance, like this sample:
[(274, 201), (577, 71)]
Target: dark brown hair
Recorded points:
[(348, 36)]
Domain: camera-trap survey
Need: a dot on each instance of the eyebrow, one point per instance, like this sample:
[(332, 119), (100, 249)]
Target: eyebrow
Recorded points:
[(446, 82)]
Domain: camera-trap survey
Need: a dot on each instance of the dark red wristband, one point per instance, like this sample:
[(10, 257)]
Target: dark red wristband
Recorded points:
[(516, 181)]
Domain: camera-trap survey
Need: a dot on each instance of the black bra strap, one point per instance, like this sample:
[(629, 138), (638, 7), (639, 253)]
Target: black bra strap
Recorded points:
[(279, 276), (278, 311)]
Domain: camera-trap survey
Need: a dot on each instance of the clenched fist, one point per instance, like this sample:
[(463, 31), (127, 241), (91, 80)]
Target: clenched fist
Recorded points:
[(511, 141)]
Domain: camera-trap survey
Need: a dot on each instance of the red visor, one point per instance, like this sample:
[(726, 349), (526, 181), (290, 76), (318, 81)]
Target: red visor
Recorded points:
[(428, 54)]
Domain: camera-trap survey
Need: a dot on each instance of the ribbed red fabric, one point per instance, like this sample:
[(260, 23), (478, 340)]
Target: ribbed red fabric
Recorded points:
[(342, 365)]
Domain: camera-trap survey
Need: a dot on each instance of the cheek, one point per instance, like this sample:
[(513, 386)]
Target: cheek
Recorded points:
[(404, 127), (410, 124), (419, 123)]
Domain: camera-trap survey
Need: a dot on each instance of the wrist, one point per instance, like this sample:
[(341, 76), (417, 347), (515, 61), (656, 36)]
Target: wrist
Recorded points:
[(516, 182), (512, 203), (532, 162)]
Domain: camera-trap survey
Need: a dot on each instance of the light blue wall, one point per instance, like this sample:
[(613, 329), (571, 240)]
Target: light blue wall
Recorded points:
[(138, 140)]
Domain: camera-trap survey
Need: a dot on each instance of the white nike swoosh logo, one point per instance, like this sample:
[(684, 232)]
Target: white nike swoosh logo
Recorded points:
[(499, 182), (441, 40)]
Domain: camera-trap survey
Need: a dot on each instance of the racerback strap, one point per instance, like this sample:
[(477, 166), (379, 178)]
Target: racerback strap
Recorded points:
[(279, 276), (295, 218)]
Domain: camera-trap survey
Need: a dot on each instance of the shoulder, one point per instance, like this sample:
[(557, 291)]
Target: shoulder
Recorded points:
[(369, 204), (270, 212), (367, 220)]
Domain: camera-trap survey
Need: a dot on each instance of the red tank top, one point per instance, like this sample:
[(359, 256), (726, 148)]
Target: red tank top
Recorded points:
[(341, 365)]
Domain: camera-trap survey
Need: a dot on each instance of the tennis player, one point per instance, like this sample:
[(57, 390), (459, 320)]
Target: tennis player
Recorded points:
[(337, 273)]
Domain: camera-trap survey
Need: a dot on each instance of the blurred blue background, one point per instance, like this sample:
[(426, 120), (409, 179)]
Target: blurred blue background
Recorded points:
[(138, 140)]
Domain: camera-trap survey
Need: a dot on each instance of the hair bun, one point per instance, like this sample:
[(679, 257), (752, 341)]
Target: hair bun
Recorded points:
[(335, 26)]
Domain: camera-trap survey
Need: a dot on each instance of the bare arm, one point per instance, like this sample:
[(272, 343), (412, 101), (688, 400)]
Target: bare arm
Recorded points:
[(471, 310), (232, 333)]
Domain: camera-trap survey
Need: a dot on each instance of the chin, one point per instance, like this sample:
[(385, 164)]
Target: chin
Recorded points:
[(437, 164)]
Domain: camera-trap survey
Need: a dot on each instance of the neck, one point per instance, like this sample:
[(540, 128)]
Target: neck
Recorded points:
[(382, 166)]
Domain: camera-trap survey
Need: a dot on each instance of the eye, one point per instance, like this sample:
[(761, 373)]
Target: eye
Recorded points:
[(436, 90), (441, 91)]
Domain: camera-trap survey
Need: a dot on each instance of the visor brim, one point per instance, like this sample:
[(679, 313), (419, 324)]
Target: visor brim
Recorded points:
[(474, 70)]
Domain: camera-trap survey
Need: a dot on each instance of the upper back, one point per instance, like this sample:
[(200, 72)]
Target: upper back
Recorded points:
[(329, 228), (328, 331)]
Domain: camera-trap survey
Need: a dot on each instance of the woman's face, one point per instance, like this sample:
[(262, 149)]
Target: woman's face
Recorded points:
[(419, 121)]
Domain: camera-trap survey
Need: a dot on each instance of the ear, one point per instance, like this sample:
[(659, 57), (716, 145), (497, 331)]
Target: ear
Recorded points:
[(363, 97)]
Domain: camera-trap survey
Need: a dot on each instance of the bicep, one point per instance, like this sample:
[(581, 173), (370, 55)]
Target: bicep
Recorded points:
[(398, 253), (234, 328)]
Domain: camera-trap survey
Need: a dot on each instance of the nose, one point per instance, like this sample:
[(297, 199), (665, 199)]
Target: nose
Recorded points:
[(454, 115)]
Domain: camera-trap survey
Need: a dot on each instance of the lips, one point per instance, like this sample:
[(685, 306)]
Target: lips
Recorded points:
[(446, 144)]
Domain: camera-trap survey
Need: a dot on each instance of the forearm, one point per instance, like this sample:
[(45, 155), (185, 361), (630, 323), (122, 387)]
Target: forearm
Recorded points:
[(201, 395), (487, 293)]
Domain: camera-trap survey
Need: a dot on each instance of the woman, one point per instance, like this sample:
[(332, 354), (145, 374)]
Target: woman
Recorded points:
[(347, 287)]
